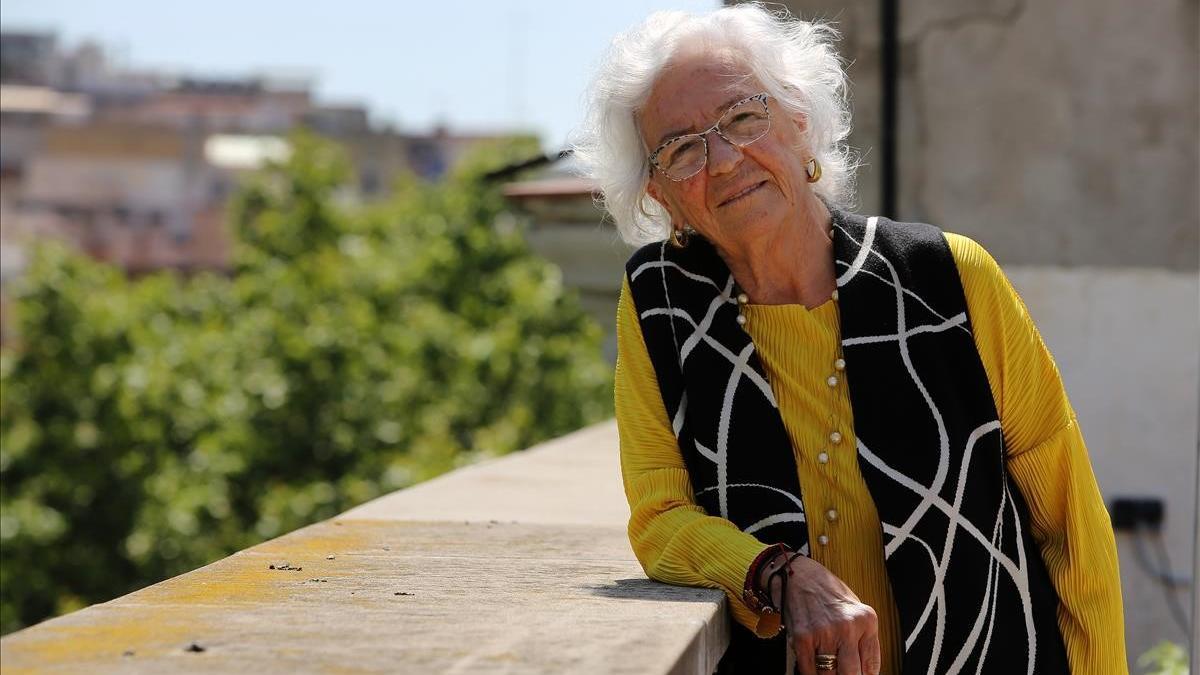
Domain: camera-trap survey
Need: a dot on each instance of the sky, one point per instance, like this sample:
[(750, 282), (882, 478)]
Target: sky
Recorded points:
[(473, 65)]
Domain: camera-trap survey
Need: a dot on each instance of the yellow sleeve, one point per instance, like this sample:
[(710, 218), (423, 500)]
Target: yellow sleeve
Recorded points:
[(673, 538), (1049, 463)]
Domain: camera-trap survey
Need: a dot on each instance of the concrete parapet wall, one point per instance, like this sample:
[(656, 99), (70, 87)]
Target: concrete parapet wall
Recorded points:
[(519, 564)]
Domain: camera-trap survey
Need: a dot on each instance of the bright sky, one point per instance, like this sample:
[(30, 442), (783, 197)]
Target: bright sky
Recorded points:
[(476, 65)]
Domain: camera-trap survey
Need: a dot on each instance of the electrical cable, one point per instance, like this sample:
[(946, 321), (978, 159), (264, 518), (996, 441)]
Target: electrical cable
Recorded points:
[(1177, 609), (1163, 575)]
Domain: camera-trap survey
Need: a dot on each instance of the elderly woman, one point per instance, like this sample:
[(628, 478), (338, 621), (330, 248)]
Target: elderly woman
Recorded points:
[(848, 424)]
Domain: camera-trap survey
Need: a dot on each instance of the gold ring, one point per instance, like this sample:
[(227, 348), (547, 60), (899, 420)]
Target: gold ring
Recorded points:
[(826, 662)]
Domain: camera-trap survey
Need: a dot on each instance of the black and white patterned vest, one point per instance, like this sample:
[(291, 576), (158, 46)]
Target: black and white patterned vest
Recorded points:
[(971, 589)]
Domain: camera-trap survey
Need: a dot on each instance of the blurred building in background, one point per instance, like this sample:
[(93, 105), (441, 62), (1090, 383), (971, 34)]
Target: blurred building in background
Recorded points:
[(566, 224), (136, 167)]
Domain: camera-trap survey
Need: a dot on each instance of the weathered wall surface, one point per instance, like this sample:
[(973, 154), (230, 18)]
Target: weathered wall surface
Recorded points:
[(1056, 133)]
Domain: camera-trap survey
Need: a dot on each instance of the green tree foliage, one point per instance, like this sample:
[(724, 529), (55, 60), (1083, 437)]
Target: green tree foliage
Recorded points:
[(149, 426), (1164, 658)]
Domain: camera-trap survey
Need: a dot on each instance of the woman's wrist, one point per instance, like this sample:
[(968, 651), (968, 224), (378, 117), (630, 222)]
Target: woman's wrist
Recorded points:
[(756, 592), (763, 583)]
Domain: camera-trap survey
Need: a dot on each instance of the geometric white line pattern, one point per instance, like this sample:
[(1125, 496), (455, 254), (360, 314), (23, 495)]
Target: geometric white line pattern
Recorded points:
[(901, 533), (741, 371), (796, 516), (953, 322), (755, 378), (864, 249)]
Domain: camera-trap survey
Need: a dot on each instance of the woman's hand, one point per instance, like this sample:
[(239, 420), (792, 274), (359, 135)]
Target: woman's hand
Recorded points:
[(823, 616)]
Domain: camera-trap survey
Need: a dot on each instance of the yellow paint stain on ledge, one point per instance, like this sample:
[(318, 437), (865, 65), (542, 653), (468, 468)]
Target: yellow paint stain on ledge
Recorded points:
[(247, 578), (105, 641), (329, 537), (163, 619)]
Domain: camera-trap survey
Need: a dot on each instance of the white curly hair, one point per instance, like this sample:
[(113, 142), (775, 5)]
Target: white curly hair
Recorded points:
[(794, 60)]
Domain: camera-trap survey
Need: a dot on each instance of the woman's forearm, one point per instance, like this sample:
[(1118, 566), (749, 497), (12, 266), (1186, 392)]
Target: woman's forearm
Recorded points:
[(673, 538), (677, 543)]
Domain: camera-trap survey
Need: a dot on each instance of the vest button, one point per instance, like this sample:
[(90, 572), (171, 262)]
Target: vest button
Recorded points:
[(832, 380), (743, 298), (823, 458), (834, 295), (840, 364), (831, 515), (823, 540), (835, 437), (741, 319)]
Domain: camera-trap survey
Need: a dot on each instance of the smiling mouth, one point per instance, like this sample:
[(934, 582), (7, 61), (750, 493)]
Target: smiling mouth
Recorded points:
[(742, 194)]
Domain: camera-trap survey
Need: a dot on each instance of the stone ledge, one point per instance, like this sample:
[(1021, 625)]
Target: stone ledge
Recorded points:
[(466, 573), (575, 479)]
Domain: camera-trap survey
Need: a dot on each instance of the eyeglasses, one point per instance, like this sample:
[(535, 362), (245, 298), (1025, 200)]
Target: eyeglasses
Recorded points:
[(684, 156)]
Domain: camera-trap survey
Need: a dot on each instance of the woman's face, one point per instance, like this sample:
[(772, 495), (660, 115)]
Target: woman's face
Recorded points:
[(768, 174)]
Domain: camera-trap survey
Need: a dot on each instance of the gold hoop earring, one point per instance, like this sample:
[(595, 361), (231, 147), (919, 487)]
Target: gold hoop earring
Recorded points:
[(813, 169), (681, 237)]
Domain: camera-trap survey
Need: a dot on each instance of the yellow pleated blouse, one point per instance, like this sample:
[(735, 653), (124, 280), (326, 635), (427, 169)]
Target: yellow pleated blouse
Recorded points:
[(678, 543)]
